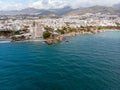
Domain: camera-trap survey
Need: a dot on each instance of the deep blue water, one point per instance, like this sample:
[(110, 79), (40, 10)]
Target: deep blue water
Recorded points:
[(86, 62)]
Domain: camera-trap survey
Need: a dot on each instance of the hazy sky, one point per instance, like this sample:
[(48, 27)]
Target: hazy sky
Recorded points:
[(45, 4)]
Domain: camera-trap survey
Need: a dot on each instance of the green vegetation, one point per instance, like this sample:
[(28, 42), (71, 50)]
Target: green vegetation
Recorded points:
[(85, 29), (46, 35), (61, 31)]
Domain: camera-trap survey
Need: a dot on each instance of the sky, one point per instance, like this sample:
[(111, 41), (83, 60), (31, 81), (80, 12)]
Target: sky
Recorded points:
[(50, 4)]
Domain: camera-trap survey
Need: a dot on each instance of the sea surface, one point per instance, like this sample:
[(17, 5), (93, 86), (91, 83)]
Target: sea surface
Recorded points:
[(86, 62)]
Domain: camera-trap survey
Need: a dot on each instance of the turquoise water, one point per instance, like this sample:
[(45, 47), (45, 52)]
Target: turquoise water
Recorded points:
[(86, 62)]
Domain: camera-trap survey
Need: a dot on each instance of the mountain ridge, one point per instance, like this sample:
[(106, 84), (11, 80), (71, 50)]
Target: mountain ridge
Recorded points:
[(63, 11), (94, 9)]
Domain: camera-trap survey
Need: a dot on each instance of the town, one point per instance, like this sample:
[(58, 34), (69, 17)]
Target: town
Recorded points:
[(33, 27)]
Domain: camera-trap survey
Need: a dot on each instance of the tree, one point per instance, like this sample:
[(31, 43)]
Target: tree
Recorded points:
[(46, 35), (60, 31)]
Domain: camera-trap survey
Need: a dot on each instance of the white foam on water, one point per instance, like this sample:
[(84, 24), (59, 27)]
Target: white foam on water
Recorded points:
[(4, 41)]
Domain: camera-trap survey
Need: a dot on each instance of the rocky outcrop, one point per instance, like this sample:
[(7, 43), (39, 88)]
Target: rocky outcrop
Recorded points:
[(54, 40), (21, 38)]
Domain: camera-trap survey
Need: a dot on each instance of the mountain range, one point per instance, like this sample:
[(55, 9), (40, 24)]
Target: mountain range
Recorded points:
[(117, 6), (64, 11), (95, 9), (33, 11)]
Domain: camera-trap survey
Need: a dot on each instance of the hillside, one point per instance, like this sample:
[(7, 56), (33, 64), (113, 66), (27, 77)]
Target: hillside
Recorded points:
[(94, 9), (64, 11)]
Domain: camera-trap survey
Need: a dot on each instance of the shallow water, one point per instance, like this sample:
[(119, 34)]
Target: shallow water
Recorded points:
[(86, 62)]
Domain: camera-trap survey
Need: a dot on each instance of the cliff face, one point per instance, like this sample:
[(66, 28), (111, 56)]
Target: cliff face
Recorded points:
[(15, 35), (6, 33), (54, 39)]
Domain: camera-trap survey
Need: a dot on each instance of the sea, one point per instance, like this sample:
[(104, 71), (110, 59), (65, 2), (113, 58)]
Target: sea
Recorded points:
[(83, 62)]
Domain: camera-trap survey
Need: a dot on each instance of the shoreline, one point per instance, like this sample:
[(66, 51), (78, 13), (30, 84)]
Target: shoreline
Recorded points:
[(64, 35), (71, 34), (76, 33)]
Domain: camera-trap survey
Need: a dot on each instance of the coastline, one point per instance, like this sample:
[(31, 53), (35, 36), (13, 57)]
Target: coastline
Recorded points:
[(77, 33), (63, 36), (52, 41)]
